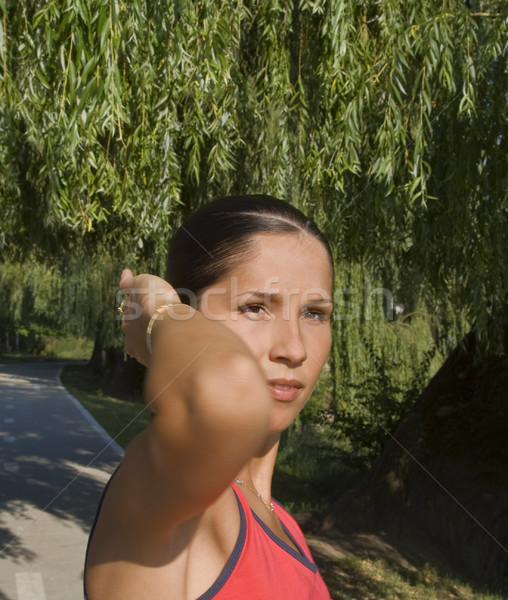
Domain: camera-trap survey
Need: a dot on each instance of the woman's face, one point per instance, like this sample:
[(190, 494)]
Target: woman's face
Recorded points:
[(279, 301)]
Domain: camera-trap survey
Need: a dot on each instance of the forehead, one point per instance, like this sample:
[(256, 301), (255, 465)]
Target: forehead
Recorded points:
[(291, 260)]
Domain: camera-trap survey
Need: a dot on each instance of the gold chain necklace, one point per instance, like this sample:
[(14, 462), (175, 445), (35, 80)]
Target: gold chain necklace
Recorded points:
[(269, 505)]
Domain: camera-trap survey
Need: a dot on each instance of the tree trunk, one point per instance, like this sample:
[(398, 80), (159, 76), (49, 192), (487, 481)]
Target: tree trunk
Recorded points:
[(98, 360), (126, 376), (439, 492)]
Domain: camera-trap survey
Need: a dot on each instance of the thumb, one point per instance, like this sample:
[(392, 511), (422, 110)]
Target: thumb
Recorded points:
[(126, 279)]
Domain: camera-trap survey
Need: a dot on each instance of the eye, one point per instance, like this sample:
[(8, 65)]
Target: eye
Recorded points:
[(256, 312), (313, 314)]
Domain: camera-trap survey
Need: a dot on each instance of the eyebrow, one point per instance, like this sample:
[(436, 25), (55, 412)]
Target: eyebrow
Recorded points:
[(321, 301), (276, 296), (260, 294)]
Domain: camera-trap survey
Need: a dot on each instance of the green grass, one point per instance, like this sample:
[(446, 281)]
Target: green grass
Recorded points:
[(67, 347), (362, 578), (49, 347), (122, 418)]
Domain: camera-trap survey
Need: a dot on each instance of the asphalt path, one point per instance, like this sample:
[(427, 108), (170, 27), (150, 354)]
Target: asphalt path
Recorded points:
[(54, 462)]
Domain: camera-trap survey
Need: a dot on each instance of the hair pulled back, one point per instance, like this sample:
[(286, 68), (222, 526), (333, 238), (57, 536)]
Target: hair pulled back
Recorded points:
[(219, 235)]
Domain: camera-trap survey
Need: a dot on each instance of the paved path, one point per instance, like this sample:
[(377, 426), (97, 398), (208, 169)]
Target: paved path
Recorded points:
[(54, 462)]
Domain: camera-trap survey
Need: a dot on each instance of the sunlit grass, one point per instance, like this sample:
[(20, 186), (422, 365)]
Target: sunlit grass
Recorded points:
[(360, 578), (122, 419), (67, 347)]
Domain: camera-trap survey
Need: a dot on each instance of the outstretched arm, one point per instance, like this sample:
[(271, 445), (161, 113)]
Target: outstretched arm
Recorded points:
[(209, 401)]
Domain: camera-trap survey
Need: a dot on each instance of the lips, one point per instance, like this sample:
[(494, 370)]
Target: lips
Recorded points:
[(285, 390)]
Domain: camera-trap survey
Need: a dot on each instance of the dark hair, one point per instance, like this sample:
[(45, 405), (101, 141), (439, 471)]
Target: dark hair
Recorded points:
[(219, 235)]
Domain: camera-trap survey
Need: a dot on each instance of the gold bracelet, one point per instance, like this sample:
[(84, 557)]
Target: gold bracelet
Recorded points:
[(153, 318)]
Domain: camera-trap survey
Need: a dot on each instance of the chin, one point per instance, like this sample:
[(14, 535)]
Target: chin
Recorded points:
[(280, 423)]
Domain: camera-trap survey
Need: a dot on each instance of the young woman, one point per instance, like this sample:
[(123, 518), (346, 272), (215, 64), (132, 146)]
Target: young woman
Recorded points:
[(234, 347)]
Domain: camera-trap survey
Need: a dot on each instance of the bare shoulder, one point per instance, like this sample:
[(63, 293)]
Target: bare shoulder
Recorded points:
[(131, 557)]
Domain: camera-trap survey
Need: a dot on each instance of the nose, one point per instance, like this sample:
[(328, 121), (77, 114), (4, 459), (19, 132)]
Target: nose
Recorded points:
[(287, 343)]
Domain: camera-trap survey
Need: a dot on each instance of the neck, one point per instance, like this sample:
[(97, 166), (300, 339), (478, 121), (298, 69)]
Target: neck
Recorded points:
[(258, 471)]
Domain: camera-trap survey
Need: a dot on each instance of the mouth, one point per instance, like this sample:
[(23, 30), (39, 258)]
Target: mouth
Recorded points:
[(285, 390)]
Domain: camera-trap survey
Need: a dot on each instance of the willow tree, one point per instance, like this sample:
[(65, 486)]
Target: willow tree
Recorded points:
[(386, 121), (383, 119)]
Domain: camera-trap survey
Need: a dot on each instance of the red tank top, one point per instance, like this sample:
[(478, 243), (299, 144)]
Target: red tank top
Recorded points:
[(262, 566)]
